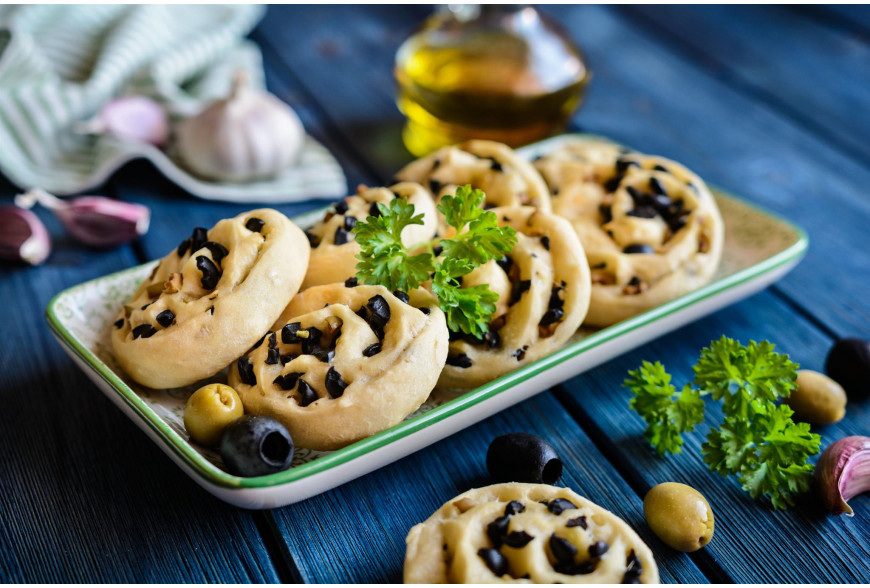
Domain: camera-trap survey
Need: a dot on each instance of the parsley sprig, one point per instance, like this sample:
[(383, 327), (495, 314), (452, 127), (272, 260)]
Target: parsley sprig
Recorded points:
[(757, 440), (385, 261)]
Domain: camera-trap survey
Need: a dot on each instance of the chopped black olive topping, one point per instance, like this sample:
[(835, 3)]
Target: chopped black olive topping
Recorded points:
[(559, 505), (623, 164), (518, 289), (340, 236), (517, 539), (633, 570), (435, 164), (676, 223), (165, 318), (612, 184), (288, 332), (379, 311), (144, 306), (562, 549), (246, 371), (553, 315), (287, 358), (495, 165), (577, 522), (349, 223), (311, 341), (662, 168), (273, 356), (340, 207), (497, 530), (401, 296), (351, 283), (643, 212), (656, 186), (144, 331), (520, 354), (287, 381), (119, 323), (514, 507), (606, 213), (598, 549), (372, 349), (313, 240), (218, 251), (363, 313), (460, 361), (210, 272), (334, 384), (641, 248), (198, 239), (492, 339), (425, 309), (273, 340), (254, 224), (307, 395), (545, 241), (435, 186), (495, 561), (374, 210), (505, 263), (437, 250), (182, 247), (211, 309)]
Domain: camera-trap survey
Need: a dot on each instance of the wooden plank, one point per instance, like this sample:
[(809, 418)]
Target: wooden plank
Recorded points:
[(84, 495), (356, 533), (744, 45), (752, 542)]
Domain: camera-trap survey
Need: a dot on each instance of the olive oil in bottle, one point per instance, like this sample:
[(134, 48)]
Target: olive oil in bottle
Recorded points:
[(487, 72)]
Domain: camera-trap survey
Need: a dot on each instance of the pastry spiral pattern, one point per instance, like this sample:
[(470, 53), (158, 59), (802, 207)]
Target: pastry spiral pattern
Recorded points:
[(210, 299), (650, 227), (343, 363), (333, 246), (526, 533), (543, 289)]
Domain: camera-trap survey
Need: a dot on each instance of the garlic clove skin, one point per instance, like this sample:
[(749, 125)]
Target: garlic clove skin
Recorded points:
[(131, 118), (251, 135), (23, 237), (94, 220), (843, 472)]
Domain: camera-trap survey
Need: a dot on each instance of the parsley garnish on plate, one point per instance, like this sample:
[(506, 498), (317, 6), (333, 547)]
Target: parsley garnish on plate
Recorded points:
[(757, 441), (385, 261)]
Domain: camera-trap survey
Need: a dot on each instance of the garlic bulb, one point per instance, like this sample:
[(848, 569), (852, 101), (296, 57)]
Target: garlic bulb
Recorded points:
[(248, 136), (136, 119)]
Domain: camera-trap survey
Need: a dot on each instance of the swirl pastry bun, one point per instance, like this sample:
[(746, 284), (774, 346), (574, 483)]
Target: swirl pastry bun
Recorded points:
[(543, 288), (526, 533), (333, 247), (651, 228), (505, 177), (208, 301), (343, 363)]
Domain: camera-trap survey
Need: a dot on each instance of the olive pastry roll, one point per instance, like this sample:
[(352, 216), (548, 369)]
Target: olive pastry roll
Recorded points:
[(210, 299), (343, 363), (543, 289), (333, 247), (505, 177), (651, 228), (526, 533)]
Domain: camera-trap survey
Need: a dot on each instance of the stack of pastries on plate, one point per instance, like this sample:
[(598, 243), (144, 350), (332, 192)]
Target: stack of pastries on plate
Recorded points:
[(603, 234)]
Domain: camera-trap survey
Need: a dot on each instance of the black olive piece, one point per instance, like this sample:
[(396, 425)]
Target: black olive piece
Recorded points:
[(374, 210), (522, 457), (210, 272), (198, 239), (372, 349), (623, 164), (260, 341), (340, 236), (585, 567), (492, 339), (218, 251), (425, 309), (246, 371), (340, 207), (288, 332), (144, 331), (165, 318), (505, 263), (497, 530), (633, 569), (287, 358), (661, 168), (560, 505), (577, 522), (520, 354), (401, 296), (639, 248), (435, 186), (495, 561), (517, 291), (144, 306), (363, 313), (545, 241), (182, 247), (312, 341), (612, 184), (254, 224), (554, 315), (643, 212), (211, 309), (273, 356), (323, 354), (435, 164), (562, 549), (495, 165), (307, 395), (656, 186), (457, 282), (313, 240), (351, 283), (635, 194), (460, 361), (606, 213), (660, 202), (349, 223), (517, 539), (273, 340), (555, 301), (334, 384), (848, 363), (437, 250), (256, 445), (676, 223), (120, 323), (379, 314), (598, 549), (514, 507)]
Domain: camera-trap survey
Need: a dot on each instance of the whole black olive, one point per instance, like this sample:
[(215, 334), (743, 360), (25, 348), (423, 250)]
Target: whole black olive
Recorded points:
[(256, 445), (849, 364), (522, 457)]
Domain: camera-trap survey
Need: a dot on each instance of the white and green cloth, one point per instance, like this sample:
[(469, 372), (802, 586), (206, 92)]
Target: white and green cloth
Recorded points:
[(59, 64)]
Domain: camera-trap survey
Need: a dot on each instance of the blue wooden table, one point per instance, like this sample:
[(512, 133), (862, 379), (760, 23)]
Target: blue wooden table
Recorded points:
[(772, 103)]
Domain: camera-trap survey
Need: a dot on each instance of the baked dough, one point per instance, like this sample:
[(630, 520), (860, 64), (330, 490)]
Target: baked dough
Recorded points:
[(651, 228), (333, 246), (541, 534), (357, 374), (209, 300), (543, 288), (506, 178)]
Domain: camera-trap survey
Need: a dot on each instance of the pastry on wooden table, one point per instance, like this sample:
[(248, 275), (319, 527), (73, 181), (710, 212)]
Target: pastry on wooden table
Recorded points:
[(543, 287), (333, 246), (343, 363), (210, 299), (526, 533), (651, 228)]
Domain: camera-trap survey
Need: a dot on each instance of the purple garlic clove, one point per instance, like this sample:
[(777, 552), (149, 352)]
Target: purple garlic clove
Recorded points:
[(843, 472), (131, 118), (22, 236), (94, 220)]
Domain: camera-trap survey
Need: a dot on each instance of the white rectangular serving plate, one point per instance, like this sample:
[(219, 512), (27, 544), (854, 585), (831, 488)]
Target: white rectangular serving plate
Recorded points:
[(759, 249)]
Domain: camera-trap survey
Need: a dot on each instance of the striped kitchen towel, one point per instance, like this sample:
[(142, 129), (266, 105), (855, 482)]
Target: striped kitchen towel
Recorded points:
[(59, 64)]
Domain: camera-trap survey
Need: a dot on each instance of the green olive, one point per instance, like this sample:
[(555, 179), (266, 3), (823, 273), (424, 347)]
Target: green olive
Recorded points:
[(817, 399), (209, 411), (679, 515)]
